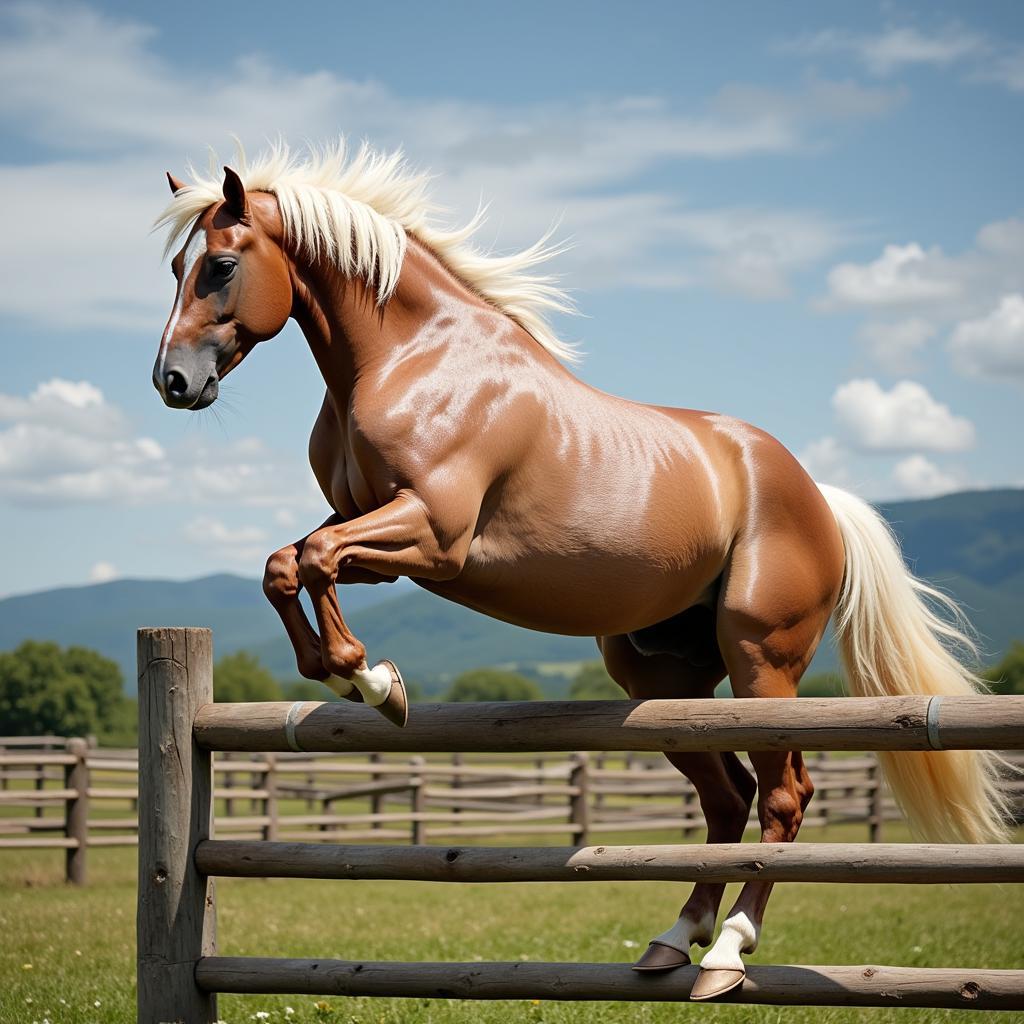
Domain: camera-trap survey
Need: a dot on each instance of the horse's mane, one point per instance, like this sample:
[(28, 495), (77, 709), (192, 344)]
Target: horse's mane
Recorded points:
[(357, 212)]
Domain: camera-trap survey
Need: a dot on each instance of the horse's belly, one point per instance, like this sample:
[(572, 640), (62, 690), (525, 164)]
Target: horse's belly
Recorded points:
[(579, 597)]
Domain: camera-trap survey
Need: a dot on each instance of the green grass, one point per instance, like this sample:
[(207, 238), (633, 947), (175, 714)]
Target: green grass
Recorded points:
[(80, 943)]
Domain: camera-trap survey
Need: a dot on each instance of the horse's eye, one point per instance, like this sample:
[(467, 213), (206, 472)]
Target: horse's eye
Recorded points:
[(221, 269)]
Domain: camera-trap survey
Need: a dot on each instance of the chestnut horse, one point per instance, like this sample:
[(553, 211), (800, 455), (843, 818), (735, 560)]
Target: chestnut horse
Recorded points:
[(456, 448)]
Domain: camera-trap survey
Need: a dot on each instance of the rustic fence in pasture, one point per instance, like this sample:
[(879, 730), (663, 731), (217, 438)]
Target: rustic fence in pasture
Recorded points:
[(179, 973), (58, 793)]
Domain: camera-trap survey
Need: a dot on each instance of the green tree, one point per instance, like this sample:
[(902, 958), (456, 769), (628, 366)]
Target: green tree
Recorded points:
[(240, 677), (592, 682), (308, 689), (492, 684), (1008, 675), (73, 692)]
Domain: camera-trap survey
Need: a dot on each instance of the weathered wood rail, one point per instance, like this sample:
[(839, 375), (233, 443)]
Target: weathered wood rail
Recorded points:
[(180, 974)]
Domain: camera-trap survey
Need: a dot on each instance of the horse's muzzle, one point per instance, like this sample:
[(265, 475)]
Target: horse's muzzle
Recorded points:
[(187, 379)]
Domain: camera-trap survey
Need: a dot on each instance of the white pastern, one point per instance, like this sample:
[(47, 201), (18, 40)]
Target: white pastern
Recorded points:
[(374, 684), (685, 932), (739, 935)]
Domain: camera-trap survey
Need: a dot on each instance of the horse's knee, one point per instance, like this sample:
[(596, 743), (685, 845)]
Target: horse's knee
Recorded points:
[(281, 576), (781, 813), (317, 566), (805, 788)]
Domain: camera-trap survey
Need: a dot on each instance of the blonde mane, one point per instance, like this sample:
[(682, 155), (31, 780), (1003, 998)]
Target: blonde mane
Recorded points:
[(359, 213)]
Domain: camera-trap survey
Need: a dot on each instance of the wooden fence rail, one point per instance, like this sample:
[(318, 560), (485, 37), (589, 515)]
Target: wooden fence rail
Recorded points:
[(179, 974), (75, 797)]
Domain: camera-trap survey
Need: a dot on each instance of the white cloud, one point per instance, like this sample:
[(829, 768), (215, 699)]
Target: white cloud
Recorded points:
[(896, 47), (992, 345), (91, 90), (825, 461), (900, 276), (1007, 70), (64, 405), (66, 444), (243, 544), (933, 291), (929, 282), (103, 572), (904, 419), (918, 477), (894, 344)]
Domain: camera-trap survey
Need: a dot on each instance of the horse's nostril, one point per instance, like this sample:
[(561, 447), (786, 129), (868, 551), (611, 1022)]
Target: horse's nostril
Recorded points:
[(175, 383)]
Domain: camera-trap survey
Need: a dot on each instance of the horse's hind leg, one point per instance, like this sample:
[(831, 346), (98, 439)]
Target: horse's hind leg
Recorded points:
[(724, 786), (767, 644)]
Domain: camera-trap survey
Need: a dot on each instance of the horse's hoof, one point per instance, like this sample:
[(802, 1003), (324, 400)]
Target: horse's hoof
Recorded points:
[(660, 957), (396, 707), (714, 982)]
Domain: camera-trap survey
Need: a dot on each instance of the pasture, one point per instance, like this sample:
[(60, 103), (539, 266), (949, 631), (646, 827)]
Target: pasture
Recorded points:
[(81, 942)]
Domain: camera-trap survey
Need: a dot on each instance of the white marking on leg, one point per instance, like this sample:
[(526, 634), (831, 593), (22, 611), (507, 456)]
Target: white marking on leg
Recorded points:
[(739, 935), (685, 932), (374, 684), (196, 248), (342, 687)]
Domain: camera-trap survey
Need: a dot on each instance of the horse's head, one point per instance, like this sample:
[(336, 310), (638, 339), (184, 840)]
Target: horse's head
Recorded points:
[(234, 290)]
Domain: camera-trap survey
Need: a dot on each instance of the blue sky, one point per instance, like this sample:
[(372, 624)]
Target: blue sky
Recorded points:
[(807, 215)]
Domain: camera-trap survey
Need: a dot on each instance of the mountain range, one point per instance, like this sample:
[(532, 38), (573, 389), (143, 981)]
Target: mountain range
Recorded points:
[(971, 544)]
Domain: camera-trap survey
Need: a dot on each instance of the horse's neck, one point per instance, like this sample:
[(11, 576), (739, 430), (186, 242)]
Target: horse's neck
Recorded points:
[(351, 336)]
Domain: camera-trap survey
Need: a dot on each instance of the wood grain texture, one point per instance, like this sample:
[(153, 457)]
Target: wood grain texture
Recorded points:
[(850, 723), (176, 920), (726, 862), (783, 985)]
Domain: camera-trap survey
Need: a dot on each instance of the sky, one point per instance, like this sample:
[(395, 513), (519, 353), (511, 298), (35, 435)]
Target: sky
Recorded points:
[(809, 216)]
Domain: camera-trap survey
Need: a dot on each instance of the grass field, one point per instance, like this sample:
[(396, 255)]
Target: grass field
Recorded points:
[(67, 956)]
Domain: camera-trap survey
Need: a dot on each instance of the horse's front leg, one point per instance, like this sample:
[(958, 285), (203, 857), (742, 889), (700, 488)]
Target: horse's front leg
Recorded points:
[(398, 539), (281, 586)]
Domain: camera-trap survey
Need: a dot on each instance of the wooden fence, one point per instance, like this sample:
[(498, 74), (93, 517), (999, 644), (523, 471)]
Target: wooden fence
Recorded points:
[(66, 794), (179, 973)]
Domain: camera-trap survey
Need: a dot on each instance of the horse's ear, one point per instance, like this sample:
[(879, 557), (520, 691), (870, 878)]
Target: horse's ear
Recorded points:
[(234, 195), (176, 183)]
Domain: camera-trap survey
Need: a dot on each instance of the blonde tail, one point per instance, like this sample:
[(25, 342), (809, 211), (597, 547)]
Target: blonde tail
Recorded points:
[(892, 643)]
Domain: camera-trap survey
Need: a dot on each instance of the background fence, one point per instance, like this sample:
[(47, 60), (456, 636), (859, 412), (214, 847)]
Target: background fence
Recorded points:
[(67, 794)]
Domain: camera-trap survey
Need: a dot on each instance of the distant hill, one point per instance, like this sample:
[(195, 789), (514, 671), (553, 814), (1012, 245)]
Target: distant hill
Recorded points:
[(105, 615), (971, 544)]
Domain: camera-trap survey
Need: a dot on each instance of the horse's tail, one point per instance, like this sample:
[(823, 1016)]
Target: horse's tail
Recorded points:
[(892, 642)]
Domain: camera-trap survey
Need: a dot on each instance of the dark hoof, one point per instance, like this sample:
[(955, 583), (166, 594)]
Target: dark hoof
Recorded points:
[(711, 984), (659, 957), (396, 708)]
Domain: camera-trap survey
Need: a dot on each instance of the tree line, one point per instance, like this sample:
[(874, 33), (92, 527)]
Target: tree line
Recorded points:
[(46, 689)]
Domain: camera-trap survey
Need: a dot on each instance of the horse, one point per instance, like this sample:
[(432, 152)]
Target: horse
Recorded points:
[(457, 448)]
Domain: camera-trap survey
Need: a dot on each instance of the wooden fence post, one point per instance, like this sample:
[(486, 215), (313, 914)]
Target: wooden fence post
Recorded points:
[(76, 812), (876, 805), (456, 780), (270, 800), (418, 800), (40, 783), (376, 799), (177, 914), (579, 805), (229, 783)]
